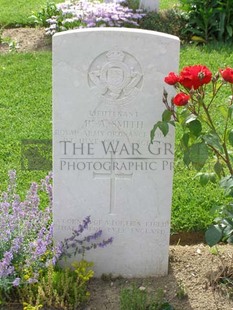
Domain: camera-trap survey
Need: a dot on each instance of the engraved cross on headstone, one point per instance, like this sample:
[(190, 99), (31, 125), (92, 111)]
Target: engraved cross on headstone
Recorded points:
[(113, 176)]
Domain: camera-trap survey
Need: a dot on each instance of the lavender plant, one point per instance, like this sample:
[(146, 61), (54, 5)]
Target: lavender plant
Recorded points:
[(26, 244), (77, 245), (26, 236), (85, 14)]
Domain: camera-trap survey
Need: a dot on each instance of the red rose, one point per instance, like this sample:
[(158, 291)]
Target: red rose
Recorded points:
[(195, 76), (181, 99), (227, 74), (171, 79)]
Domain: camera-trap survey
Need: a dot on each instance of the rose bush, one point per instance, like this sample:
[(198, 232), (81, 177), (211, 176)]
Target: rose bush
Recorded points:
[(203, 109)]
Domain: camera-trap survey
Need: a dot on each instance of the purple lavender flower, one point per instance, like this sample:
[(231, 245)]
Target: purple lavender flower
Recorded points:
[(16, 282), (32, 280), (95, 236), (6, 268), (104, 243)]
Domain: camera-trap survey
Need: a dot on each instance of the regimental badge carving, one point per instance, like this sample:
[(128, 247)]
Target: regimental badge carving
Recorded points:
[(117, 75)]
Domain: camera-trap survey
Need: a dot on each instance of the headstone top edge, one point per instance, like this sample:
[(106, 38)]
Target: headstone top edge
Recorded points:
[(114, 29)]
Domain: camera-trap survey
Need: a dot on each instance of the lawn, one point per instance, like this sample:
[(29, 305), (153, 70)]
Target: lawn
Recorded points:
[(25, 105), (16, 12), (26, 112), (167, 4)]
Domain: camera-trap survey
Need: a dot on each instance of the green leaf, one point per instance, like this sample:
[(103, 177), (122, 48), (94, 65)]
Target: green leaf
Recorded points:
[(213, 140), (230, 111), (190, 118), (164, 127), (218, 168), (230, 137), (227, 184), (229, 30), (213, 235), (212, 177), (223, 110), (198, 154), (228, 222), (185, 140), (195, 127), (186, 158), (230, 239), (204, 179), (227, 232), (166, 306), (152, 133), (184, 114), (166, 116)]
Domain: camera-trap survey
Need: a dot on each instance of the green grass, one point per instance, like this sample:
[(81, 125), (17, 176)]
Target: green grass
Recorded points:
[(25, 109), (167, 4), (215, 55), (16, 12)]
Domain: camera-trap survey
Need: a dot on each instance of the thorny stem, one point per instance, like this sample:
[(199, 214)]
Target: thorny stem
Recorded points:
[(211, 125), (225, 138), (218, 153), (169, 108), (215, 92), (228, 162)]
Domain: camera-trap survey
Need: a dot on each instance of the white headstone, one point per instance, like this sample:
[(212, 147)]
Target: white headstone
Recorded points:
[(149, 5), (107, 94)]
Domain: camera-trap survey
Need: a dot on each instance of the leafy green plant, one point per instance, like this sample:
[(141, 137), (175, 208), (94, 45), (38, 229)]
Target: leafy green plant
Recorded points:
[(210, 19), (132, 4), (40, 18), (181, 291), (172, 21), (132, 298), (222, 229), (27, 306), (135, 299), (13, 46), (206, 140), (59, 288)]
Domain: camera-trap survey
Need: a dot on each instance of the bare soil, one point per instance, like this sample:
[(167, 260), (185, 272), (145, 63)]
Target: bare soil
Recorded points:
[(192, 267), (25, 40)]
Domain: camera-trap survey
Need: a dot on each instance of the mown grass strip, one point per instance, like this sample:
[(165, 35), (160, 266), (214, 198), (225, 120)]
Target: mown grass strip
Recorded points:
[(168, 4), (25, 110), (15, 13)]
